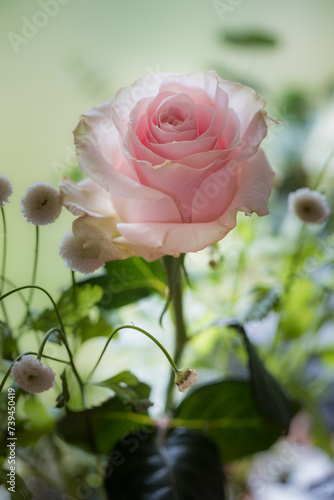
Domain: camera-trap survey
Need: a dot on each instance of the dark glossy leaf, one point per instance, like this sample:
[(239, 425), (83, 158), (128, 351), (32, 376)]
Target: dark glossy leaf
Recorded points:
[(267, 391), (129, 280), (250, 38), (64, 396), (98, 429), (229, 414), (185, 466)]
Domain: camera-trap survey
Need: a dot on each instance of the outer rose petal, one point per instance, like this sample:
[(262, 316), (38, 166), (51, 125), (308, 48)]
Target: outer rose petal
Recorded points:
[(86, 197), (173, 239), (255, 183), (255, 179)]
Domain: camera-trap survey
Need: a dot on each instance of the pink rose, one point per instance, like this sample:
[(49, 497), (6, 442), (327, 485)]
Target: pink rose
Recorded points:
[(170, 161)]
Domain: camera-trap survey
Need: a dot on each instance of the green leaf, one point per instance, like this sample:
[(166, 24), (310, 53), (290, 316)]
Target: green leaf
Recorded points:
[(184, 466), (88, 328), (125, 377), (22, 492), (129, 280), (37, 423), (9, 346), (265, 300), (251, 39), (99, 429), (121, 385), (267, 391), (72, 307), (64, 396), (228, 412)]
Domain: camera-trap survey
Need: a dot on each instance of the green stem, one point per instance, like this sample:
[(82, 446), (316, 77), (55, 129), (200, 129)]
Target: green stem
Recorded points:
[(34, 272), (174, 276), (28, 353), (74, 289), (4, 258), (62, 336), (132, 327), (18, 289), (295, 259), (322, 172)]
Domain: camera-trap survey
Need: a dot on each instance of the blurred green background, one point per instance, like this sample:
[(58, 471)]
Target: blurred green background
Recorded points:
[(60, 57)]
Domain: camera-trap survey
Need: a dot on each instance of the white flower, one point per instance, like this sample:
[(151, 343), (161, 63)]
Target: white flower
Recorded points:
[(309, 206), (31, 375), (41, 204), (184, 378), (80, 255), (6, 190)]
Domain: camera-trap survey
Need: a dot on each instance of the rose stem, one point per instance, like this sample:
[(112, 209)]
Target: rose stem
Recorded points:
[(174, 278)]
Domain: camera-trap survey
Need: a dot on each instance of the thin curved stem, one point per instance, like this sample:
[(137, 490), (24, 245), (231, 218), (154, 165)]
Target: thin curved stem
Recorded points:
[(34, 272), (25, 287), (132, 327), (62, 336)]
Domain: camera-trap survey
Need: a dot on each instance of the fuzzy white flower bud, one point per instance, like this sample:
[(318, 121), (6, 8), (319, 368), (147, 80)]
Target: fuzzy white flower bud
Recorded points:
[(80, 255), (31, 375), (309, 206), (6, 190), (41, 204)]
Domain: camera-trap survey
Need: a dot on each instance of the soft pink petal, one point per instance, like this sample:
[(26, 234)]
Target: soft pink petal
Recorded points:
[(86, 197), (244, 100), (127, 98), (109, 176), (201, 84), (163, 209), (214, 196), (255, 183), (173, 239)]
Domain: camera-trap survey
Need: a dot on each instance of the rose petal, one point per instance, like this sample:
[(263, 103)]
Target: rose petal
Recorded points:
[(127, 97), (255, 183), (173, 239), (86, 197)]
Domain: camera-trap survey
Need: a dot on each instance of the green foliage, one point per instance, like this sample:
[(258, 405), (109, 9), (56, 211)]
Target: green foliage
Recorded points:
[(9, 345), (74, 306), (129, 280), (250, 39), (128, 389), (64, 396), (99, 429), (183, 465), (36, 423), (229, 414), (264, 300), (268, 393)]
